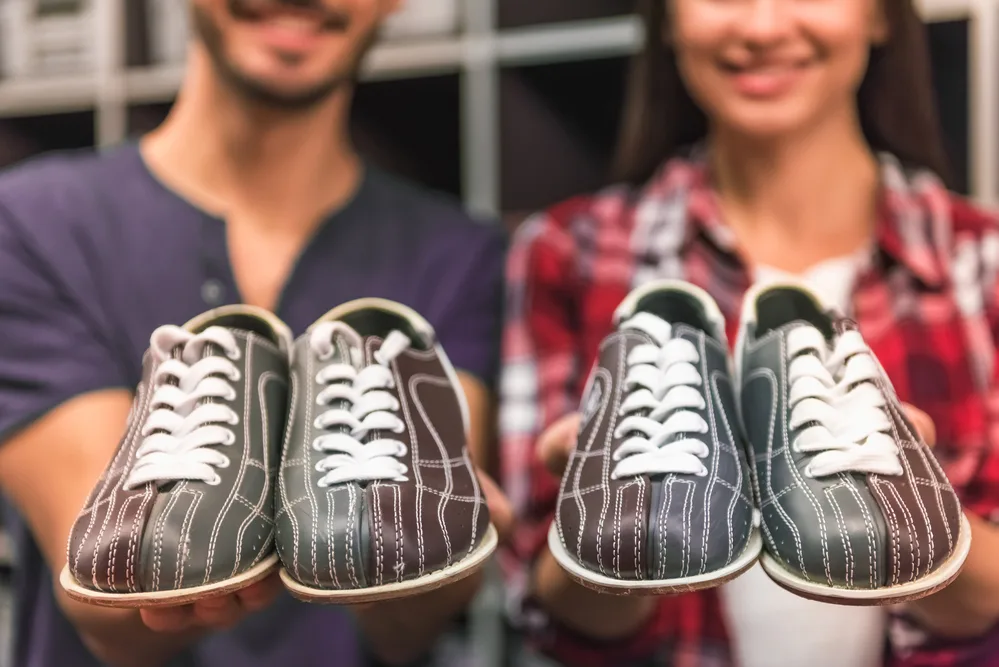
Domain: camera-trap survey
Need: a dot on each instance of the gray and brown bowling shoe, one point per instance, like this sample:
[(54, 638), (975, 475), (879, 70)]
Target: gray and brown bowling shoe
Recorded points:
[(377, 496), (657, 496), (856, 508), (184, 510)]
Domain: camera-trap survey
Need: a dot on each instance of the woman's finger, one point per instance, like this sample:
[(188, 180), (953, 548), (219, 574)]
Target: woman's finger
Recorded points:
[(923, 423), (556, 443)]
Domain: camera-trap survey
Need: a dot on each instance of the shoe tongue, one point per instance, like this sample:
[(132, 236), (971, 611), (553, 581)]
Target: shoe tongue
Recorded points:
[(841, 325), (348, 346), (649, 326)]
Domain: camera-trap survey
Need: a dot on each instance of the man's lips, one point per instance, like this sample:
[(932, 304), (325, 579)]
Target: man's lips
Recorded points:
[(300, 16)]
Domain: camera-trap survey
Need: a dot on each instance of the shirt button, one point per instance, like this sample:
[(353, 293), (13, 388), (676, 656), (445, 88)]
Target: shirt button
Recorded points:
[(211, 292)]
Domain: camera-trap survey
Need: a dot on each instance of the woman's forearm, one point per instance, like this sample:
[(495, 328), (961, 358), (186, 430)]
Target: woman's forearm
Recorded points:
[(594, 615), (969, 607)]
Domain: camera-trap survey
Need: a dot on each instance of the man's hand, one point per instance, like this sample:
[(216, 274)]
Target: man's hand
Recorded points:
[(213, 613), (500, 511), (47, 470), (399, 631)]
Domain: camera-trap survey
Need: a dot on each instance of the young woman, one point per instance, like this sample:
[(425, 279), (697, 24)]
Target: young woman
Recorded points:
[(762, 138)]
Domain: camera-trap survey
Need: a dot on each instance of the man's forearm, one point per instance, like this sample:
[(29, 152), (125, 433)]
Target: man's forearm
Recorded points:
[(969, 607), (594, 615), (119, 638), (400, 631)]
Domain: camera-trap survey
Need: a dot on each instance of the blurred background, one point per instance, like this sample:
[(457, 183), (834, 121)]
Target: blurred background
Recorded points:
[(510, 105)]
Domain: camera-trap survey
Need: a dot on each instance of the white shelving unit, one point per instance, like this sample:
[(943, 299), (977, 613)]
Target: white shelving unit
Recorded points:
[(479, 57)]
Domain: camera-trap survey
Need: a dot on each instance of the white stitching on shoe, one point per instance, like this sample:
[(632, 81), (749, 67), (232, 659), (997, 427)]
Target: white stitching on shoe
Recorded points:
[(227, 504), (608, 441)]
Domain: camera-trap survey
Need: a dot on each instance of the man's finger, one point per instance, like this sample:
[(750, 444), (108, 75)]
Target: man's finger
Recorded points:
[(500, 509), (923, 423), (168, 619), (218, 612), (260, 594), (556, 443)]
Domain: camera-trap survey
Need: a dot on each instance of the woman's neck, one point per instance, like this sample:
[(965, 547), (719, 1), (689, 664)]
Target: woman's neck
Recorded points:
[(794, 203)]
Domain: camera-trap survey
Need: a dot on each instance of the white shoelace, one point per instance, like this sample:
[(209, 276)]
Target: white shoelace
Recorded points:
[(833, 391), (359, 404), (662, 390), (181, 431)]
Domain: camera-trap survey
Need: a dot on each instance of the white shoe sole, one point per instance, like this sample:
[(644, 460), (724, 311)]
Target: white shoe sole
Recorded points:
[(170, 598), (887, 595), (617, 586), (467, 566)]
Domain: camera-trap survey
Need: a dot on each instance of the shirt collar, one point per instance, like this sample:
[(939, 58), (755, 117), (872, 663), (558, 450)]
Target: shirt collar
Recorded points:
[(912, 218)]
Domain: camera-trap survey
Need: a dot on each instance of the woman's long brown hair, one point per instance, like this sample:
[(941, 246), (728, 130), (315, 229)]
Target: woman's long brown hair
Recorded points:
[(896, 103)]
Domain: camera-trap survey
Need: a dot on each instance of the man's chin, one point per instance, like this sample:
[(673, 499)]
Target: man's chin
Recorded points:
[(282, 95), (268, 91)]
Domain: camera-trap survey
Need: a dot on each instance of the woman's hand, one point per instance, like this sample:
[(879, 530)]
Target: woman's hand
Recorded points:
[(967, 608), (924, 425), (556, 443), (595, 615)]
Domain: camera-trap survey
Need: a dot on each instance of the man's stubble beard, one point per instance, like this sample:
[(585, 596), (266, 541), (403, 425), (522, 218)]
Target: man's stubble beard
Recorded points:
[(261, 93)]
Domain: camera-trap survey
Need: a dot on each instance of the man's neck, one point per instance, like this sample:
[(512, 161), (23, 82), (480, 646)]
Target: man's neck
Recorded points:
[(798, 201), (224, 154)]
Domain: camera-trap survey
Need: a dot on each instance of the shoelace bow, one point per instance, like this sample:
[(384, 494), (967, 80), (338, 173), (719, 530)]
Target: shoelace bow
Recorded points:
[(662, 388), (361, 414), (842, 411), (185, 424)]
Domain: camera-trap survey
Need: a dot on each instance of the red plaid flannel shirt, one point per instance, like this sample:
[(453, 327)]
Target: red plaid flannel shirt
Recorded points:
[(928, 306)]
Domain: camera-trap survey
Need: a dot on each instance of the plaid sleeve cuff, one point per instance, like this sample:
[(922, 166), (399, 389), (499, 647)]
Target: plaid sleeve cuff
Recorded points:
[(913, 646)]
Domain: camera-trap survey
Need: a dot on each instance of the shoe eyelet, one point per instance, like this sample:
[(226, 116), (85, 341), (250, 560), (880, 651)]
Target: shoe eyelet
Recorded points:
[(235, 376), (230, 438), (214, 481), (401, 428), (225, 463), (317, 424), (234, 419), (235, 354)]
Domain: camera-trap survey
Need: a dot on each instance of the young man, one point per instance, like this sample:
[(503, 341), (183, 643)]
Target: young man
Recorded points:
[(250, 191)]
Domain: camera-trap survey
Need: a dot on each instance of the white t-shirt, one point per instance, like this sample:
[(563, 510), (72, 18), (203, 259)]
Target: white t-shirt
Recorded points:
[(771, 627)]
